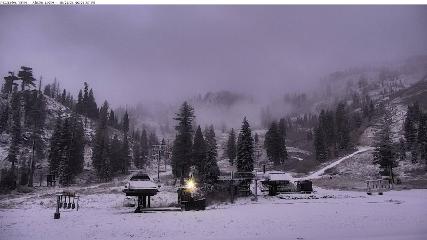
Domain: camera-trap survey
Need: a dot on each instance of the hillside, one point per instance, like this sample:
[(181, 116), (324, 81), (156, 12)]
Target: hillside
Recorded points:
[(54, 109), (352, 172), (393, 87)]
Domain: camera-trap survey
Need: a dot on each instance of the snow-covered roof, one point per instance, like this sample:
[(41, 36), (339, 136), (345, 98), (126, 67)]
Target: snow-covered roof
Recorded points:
[(279, 176)]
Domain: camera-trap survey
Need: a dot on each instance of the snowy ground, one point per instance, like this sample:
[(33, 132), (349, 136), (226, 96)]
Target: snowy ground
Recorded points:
[(326, 214)]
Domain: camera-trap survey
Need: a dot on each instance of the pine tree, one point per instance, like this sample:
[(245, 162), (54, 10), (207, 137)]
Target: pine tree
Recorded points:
[(101, 155), (26, 77), (69, 102), (136, 135), (63, 97), (67, 149), (272, 144), (199, 154), (8, 180), (212, 169), (4, 119), (9, 83), (85, 101), (402, 149), (16, 137), (343, 130), (115, 154), (77, 146), (327, 124), (125, 155), (152, 140), (416, 112), (231, 147), (55, 89), (385, 154), (182, 146), (37, 114), (245, 160), (410, 127), (112, 119), (414, 152), (79, 104), (422, 136), (319, 145), (55, 147), (64, 168), (125, 123), (107, 171), (282, 134), (47, 90), (91, 106)]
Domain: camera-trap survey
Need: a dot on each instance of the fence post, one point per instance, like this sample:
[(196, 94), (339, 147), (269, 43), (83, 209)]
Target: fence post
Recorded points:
[(57, 215), (256, 186)]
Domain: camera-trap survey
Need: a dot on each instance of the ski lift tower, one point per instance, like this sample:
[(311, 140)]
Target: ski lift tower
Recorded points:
[(158, 150), (168, 152), (257, 153)]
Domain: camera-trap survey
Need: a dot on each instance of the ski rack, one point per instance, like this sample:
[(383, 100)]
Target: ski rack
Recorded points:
[(379, 185), (61, 202)]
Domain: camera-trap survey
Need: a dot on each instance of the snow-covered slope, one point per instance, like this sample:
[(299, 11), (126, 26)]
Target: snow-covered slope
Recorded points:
[(320, 172), (53, 109)]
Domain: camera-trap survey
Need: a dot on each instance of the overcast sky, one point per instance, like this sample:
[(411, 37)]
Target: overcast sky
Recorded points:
[(133, 53)]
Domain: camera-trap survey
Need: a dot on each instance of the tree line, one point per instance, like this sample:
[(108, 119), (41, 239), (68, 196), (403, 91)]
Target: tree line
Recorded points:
[(67, 144), (333, 132), (111, 154), (388, 153), (415, 132), (23, 118), (198, 149)]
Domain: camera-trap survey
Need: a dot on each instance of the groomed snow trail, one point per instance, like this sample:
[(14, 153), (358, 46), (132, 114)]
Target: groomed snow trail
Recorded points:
[(320, 172)]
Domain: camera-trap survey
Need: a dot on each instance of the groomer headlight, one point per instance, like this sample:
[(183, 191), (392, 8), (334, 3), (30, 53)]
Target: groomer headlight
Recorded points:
[(190, 184)]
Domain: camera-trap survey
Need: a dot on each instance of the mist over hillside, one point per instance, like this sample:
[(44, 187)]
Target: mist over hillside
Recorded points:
[(225, 109)]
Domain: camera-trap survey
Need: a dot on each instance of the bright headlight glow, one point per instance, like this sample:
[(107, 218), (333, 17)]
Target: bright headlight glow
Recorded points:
[(190, 184)]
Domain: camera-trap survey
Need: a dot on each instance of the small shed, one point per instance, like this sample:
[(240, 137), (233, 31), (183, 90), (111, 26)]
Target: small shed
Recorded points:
[(277, 181)]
